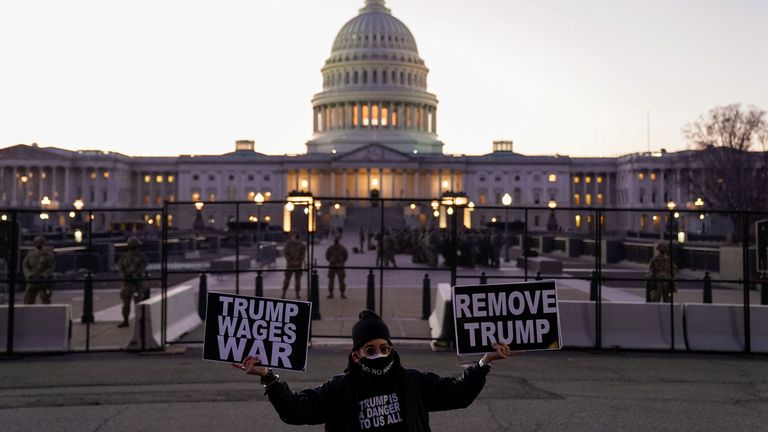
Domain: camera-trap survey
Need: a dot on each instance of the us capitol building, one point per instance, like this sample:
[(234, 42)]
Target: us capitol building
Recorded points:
[(375, 134)]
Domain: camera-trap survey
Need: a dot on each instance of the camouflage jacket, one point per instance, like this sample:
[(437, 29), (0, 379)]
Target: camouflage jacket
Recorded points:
[(336, 255), (294, 253), (132, 264), (39, 264)]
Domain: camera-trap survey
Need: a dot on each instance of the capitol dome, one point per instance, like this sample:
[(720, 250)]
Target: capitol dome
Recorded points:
[(374, 89)]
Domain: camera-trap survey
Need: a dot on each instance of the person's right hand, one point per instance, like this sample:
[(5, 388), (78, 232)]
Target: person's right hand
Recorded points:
[(251, 366)]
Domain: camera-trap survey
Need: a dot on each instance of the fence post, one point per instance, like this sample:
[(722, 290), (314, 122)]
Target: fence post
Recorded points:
[(87, 317), (426, 300), (202, 296), (370, 300), (593, 286), (314, 295), (707, 288), (649, 284), (259, 281), (483, 279), (538, 275), (764, 288)]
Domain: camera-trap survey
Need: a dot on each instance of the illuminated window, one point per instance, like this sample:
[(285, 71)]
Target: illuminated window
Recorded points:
[(147, 200), (106, 174), (196, 196), (147, 178), (578, 221), (656, 220), (394, 118), (251, 196), (93, 175), (588, 199), (588, 179), (599, 199), (171, 198), (158, 179), (171, 178), (384, 115), (482, 199), (641, 176), (602, 219), (599, 179), (576, 180), (552, 178), (576, 199), (212, 197), (375, 115), (653, 176), (643, 221), (354, 115), (366, 111)]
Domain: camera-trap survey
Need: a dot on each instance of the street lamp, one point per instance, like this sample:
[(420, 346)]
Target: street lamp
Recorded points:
[(699, 204), (259, 200), (507, 201), (199, 223), (552, 221)]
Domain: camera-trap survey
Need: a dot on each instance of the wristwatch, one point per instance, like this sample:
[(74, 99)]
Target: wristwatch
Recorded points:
[(270, 378)]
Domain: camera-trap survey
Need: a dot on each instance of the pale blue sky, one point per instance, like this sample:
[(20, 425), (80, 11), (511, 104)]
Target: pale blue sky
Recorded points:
[(167, 77)]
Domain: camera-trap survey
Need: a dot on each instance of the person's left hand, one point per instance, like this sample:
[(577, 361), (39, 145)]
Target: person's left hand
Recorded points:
[(502, 351)]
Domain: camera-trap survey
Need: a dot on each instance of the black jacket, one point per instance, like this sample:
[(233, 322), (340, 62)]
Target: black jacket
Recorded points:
[(335, 402)]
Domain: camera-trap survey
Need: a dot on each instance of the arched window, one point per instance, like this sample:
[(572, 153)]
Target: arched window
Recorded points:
[(365, 77), (375, 76), (346, 77), (354, 78)]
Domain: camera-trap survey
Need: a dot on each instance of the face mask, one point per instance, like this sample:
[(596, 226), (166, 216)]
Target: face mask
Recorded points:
[(377, 366)]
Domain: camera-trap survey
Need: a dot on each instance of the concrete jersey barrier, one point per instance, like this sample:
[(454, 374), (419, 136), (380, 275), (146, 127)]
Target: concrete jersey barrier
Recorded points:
[(641, 326), (577, 322), (717, 327), (441, 318), (37, 328), (182, 317)]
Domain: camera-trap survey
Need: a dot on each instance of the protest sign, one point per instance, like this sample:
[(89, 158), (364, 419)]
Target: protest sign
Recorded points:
[(522, 315), (276, 331)]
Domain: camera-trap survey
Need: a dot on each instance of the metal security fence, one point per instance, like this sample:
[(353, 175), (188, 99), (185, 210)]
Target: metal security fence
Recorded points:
[(399, 252)]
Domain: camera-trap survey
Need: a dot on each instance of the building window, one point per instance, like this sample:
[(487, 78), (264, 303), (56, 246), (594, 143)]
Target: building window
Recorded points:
[(105, 174), (576, 199), (653, 176), (643, 221), (171, 178), (231, 178), (211, 177), (147, 178), (158, 179), (599, 199), (537, 197), (588, 199), (482, 178), (536, 220), (266, 177), (212, 197), (195, 196), (588, 179), (195, 177), (536, 178), (366, 120), (599, 179), (250, 177), (497, 178), (577, 180), (552, 178), (481, 199), (577, 220), (641, 176)]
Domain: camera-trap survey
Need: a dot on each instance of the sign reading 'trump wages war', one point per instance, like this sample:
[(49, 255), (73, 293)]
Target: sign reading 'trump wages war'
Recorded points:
[(276, 331), (522, 315)]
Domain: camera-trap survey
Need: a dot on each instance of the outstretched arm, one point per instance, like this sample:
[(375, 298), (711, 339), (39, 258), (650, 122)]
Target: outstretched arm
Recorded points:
[(308, 406)]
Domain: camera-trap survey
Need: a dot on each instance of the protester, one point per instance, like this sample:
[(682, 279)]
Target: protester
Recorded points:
[(132, 266), (38, 268), (375, 392)]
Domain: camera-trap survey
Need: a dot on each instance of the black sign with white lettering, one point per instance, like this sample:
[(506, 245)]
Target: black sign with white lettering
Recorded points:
[(522, 315), (277, 331)]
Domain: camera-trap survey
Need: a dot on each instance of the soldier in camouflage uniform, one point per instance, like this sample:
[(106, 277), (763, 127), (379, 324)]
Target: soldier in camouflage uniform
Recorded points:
[(38, 269), (337, 256), (294, 251), (132, 266), (661, 267)]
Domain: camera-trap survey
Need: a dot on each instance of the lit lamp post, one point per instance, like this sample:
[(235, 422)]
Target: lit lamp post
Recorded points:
[(552, 221), (699, 204), (199, 222), (45, 204), (507, 201), (259, 200)]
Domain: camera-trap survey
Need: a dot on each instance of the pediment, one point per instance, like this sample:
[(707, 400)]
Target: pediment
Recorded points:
[(373, 153), (26, 152)]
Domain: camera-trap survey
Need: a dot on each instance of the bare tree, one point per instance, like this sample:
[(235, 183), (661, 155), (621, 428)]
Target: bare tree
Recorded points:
[(731, 161)]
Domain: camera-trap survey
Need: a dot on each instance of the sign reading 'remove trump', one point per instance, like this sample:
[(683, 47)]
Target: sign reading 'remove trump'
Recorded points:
[(522, 315), (276, 331)]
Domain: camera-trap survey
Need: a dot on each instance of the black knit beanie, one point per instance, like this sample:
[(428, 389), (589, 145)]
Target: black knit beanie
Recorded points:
[(368, 328)]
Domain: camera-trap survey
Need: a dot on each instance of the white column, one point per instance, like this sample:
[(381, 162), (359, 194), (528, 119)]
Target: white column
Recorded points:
[(404, 182), (392, 181), (344, 186), (416, 191), (356, 174)]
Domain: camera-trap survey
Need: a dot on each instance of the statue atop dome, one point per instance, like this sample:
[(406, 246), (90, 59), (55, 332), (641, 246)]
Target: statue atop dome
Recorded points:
[(375, 6)]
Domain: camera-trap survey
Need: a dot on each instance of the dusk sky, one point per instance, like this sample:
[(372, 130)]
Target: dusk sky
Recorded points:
[(169, 77)]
